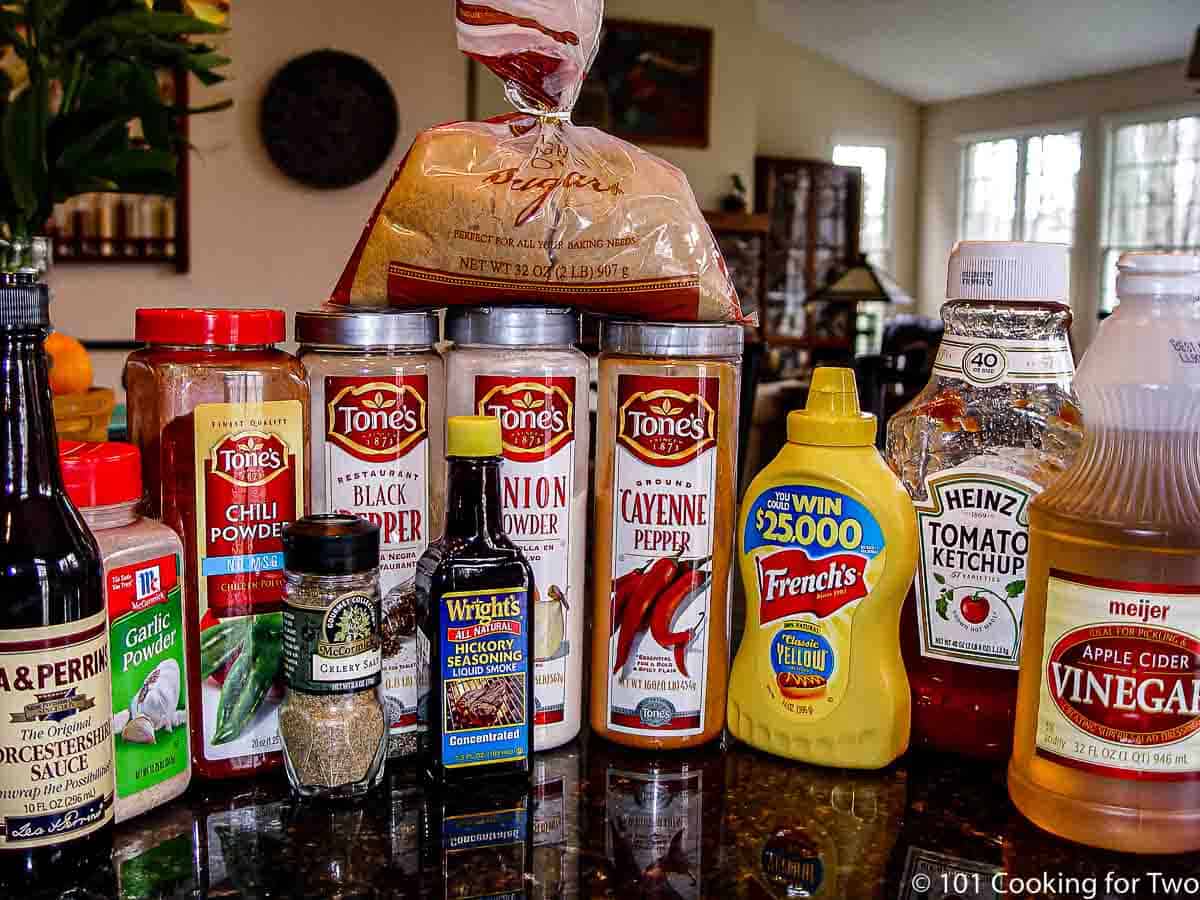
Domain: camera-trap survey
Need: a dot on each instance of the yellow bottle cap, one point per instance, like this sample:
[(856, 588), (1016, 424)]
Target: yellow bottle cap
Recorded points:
[(832, 417), (473, 436)]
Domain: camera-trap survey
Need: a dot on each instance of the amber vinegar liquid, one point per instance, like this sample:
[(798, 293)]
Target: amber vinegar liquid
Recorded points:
[(1127, 513)]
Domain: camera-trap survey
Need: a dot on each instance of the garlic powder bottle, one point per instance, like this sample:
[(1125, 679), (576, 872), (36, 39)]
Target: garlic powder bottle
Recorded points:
[(520, 365), (143, 590)]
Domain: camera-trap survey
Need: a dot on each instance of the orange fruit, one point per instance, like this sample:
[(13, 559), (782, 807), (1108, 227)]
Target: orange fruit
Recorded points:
[(70, 365)]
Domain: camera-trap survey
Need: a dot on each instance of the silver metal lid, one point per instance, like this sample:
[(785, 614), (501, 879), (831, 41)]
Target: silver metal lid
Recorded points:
[(513, 326), (697, 339), (346, 327)]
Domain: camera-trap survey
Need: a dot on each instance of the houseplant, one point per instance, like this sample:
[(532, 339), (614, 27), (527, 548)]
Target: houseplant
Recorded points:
[(75, 77)]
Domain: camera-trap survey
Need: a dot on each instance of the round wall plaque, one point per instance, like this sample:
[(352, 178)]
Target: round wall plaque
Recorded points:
[(329, 119)]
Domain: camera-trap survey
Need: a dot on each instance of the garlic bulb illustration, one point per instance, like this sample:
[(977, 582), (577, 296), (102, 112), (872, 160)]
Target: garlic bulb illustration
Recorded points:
[(159, 695), (153, 707)]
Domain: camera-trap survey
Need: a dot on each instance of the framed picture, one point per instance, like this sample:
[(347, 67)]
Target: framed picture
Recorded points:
[(650, 84)]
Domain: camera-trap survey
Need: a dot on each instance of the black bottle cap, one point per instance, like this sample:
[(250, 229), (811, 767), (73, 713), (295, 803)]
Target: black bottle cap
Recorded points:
[(330, 545), (24, 301)]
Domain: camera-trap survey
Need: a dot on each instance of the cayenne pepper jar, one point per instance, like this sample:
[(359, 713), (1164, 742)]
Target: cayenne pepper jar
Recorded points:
[(221, 418), (520, 365), (667, 427), (378, 391)]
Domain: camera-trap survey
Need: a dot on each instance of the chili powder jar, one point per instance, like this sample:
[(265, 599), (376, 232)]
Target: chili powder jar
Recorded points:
[(665, 504), (221, 418)]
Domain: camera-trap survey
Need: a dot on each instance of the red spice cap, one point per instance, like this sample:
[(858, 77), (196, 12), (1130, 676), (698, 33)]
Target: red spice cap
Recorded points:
[(198, 326), (101, 474)]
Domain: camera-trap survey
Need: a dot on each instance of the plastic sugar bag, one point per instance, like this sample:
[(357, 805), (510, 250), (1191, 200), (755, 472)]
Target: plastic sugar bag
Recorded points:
[(527, 207)]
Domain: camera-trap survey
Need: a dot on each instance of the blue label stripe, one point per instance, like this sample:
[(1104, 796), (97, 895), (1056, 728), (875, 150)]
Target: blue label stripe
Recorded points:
[(238, 565)]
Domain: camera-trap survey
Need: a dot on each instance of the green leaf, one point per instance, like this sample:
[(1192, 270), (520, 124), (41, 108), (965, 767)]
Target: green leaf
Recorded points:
[(938, 578), (1014, 589), (80, 135), (139, 23), (943, 604), (23, 135), (256, 670)]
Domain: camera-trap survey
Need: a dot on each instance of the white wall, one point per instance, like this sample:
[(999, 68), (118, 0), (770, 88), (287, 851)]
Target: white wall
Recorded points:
[(259, 238), (1080, 103)]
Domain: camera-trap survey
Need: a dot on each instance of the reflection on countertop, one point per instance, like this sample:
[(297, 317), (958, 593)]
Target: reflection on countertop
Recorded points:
[(602, 821)]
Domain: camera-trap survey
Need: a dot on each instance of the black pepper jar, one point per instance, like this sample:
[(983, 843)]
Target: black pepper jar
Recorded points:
[(331, 720)]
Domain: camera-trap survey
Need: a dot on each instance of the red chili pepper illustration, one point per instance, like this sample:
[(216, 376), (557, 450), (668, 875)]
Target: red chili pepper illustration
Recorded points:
[(624, 588), (681, 650), (658, 576), (683, 588)]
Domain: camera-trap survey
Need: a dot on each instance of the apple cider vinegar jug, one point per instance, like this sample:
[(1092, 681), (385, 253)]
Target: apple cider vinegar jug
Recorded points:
[(1107, 743)]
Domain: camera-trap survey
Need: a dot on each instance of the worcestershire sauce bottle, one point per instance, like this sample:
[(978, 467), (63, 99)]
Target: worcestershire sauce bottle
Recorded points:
[(56, 772), (474, 602)]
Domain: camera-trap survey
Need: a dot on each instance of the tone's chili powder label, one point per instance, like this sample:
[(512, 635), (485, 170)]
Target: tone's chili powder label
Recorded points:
[(1120, 680), (377, 463), (664, 489), (486, 715), (249, 484), (56, 780), (537, 417)]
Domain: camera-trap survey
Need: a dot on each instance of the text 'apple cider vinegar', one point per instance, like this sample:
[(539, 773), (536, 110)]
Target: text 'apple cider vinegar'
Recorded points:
[(1107, 744), (828, 547)]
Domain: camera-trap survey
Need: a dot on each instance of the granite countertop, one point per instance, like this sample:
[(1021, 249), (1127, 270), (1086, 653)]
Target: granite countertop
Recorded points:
[(607, 822)]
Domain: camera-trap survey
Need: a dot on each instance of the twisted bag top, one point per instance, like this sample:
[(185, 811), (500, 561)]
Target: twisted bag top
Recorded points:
[(527, 206)]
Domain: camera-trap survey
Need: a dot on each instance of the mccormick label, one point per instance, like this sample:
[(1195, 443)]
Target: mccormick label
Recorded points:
[(249, 484), (817, 553), (655, 825), (56, 772), (145, 613), (537, 418), (970, 582), (484, 666), (377, 463), (331, 649), (664, 487), (1120, 691), (1005, 361)]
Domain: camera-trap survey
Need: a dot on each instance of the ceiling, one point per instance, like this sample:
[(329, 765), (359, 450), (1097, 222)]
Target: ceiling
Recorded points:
[(933, 50)]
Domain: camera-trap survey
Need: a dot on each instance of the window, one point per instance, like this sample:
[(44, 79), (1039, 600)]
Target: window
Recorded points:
[(1153, 192), (875, 236), (1020, 188)]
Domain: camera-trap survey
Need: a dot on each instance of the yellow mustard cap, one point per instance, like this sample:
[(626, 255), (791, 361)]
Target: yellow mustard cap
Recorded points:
[(832, 417), (473, 436)]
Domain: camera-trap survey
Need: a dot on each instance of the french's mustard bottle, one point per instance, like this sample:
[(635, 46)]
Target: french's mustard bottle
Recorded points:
[(828, 549)]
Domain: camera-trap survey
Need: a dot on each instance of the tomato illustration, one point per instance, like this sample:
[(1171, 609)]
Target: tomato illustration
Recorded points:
[(974, 608)]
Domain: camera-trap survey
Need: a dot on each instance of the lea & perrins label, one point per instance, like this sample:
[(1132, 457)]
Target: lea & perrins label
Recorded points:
[(56, 774), (663, 496)]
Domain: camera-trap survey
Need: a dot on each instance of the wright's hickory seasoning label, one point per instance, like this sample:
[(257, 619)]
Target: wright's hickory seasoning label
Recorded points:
[(377, 463), (1120, 685), (974, 540), (537, 417), (817, 554), (664, 486), (56, 774), (249, 485), (486, 715)]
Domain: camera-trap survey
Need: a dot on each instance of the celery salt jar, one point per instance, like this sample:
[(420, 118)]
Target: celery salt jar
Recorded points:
[(143, 562)]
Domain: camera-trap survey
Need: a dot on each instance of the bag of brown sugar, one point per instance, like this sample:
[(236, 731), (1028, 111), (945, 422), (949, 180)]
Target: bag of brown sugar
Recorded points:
[(528, 207)]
